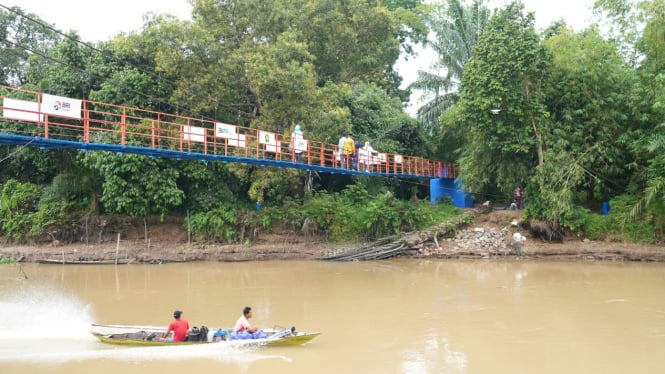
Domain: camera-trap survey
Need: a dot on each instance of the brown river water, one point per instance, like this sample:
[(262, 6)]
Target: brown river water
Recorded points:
[(395, 316)]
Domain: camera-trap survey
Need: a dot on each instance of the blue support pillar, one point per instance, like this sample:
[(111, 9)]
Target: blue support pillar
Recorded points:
[(442, 187)]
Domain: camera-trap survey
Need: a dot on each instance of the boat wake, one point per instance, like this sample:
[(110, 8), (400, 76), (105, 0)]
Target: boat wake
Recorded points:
[(43, 313), (46, 325)]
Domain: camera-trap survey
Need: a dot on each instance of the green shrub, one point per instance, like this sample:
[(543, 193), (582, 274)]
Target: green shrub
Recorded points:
[(214, 225), (7, 260), (616, 226), (352, 215), (18, 204)]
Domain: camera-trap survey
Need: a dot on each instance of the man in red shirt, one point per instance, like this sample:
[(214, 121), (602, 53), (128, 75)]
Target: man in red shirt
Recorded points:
[(180, 328)]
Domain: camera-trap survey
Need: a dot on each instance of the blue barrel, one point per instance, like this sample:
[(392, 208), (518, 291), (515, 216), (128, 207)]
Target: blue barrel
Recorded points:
[(606, 208), (258, 206)]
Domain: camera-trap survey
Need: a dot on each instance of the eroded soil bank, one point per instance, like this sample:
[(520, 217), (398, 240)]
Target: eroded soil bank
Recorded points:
[(490, 236)]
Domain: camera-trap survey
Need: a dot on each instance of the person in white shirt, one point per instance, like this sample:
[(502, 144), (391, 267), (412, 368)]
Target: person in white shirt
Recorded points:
[(340, 144), (242, 324), (243, 330), (296, 135), (367, 155)]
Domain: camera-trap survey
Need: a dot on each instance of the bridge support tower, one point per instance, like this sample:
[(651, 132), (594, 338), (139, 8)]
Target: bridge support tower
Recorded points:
[(441, 187)]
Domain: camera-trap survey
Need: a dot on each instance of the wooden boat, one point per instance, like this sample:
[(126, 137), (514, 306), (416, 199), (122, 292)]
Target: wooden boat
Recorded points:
[(151, 336), (84, 262)]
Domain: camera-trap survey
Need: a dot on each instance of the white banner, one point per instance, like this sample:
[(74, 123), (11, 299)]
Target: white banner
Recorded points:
[(268, 138), (239, 141), (274, 148), (369, 158), (61, 106), (398, 159), (21, 110), (383, 157), (224, 130), (301, 145), (195, 134)]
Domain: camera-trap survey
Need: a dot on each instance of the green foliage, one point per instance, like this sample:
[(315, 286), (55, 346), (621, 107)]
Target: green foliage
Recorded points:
[(269, 184), (289, 213), (26, 164), (596, 226), (617, 226), (79, 186), (22, 38), (362, 37), (136, 185), (590, 94), (55, 219), (7, 260), (355, 215), (507, 72), (283, 75), (215, 225), (18, 198), (456, 27), (209, 185), (380, 119), (18, 202), (24, 215)]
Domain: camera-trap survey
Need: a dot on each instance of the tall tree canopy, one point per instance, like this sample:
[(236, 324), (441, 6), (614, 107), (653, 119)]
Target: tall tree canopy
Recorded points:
[(456, 28), (502, 104)]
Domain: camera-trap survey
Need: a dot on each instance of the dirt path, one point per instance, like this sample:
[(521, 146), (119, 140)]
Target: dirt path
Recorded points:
[(168, 243)]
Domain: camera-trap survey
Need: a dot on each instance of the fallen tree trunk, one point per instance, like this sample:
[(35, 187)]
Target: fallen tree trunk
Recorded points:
[(393, 246)]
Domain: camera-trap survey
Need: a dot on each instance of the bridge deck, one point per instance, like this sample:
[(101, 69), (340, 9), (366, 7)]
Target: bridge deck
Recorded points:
[(94, 126)]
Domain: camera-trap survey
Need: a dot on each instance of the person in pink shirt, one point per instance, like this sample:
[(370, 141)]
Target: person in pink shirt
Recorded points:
[(242, 328), (242, 324), (180, 328)]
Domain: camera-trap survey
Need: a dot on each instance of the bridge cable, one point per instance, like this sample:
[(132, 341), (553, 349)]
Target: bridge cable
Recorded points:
[(126, 63), (18, 149)]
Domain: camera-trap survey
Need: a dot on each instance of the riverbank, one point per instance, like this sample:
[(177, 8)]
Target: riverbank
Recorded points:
[(489, 236)]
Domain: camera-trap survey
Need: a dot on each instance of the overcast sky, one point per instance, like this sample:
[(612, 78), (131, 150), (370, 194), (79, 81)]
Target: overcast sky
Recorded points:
[(102, 20)]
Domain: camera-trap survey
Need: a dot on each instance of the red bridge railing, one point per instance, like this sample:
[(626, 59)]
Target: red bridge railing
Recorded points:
[(41, 115)]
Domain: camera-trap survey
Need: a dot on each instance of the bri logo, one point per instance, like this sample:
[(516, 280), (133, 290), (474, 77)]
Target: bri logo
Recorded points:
[(62, 106)]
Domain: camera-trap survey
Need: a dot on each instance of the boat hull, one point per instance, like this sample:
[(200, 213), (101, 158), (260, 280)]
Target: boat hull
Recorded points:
[(85, 262), (138, 336)]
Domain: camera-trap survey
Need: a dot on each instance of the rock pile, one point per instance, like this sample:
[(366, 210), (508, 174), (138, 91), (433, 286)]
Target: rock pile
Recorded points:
[(478, 242)]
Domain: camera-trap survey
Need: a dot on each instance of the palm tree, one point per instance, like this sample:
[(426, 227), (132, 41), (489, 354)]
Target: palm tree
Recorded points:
[(654, 193), (457, 29)]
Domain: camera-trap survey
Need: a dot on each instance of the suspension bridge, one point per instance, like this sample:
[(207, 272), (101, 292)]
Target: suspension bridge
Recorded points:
[(37, 119)]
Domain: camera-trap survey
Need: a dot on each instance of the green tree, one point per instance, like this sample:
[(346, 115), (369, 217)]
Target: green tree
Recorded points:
[(502, 103), (283, 77), (65, 71), (651, 142), (457, 28), (18, 202), (591, 99), (363, 37), (209, 185), (21, 38), (79, 185), (378, 118), (136, 185)]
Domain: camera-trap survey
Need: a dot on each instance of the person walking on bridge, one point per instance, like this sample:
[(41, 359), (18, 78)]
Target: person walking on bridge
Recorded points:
[(348, 151), (296, 136), (340, 145)]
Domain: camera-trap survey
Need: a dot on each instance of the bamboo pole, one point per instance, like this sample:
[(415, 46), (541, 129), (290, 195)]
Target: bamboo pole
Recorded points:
[(117, 249)]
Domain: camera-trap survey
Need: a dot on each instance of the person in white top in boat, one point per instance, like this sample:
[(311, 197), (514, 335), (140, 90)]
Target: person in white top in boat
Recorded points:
[(242, 324)]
